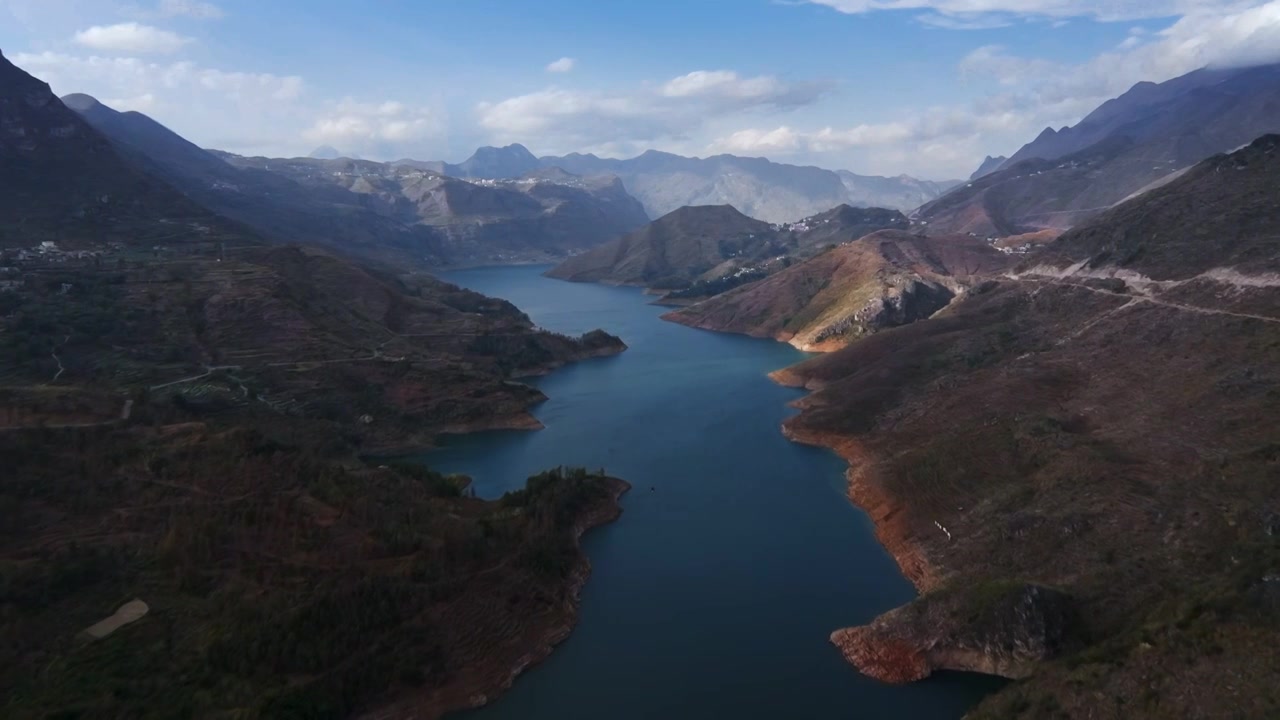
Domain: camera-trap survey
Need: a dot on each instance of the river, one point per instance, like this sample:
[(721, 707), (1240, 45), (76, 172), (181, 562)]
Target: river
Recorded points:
[(737, 553)]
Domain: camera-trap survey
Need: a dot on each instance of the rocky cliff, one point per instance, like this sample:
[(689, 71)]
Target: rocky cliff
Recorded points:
[(1004, 629)]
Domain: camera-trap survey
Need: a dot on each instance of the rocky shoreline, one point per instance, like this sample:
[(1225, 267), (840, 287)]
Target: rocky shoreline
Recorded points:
[(1001, 629)]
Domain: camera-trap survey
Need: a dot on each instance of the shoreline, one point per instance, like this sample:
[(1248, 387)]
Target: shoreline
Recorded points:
[(887, 514), (477, 689)]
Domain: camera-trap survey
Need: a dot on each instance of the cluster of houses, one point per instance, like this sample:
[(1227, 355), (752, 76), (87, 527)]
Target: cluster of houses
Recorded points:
[(12, 261), (1022, 249), (47, 251)]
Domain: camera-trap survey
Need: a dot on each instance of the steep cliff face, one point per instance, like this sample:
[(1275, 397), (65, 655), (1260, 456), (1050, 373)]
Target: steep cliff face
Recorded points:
[(1003, 629)]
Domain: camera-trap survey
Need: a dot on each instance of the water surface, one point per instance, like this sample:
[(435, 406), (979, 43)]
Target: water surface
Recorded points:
[(737, 553)]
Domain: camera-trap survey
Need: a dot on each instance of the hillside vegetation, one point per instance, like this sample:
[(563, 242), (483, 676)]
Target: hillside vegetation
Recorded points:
[(184, 409), (1102, 425)]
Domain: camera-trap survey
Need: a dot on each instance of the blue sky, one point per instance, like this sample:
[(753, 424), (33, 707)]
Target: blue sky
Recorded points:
[(926, 87)]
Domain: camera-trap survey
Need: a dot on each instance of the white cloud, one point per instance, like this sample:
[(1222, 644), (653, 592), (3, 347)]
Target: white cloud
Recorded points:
[(564, 120), (779, 141), (563, 65), (143, 103), (985, 21), (786, 141), (570, 120), (249, 113), (189, 8), (368, 127), (1032, 93), (238, 111), (131, 37), (727, 85), (1102, 10)]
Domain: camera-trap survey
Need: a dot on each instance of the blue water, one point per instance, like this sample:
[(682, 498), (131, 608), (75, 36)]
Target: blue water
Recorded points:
[(737, 553)]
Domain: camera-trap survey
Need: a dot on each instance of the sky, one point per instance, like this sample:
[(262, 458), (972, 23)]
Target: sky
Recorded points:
[(922, 87)]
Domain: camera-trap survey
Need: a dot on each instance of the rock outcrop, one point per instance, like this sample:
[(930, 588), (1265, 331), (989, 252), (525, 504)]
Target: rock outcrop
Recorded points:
[(1003, 629)]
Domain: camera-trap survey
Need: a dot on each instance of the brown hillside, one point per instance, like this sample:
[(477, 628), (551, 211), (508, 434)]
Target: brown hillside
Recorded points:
[(1110, 441), (884, 279), (675, 249)]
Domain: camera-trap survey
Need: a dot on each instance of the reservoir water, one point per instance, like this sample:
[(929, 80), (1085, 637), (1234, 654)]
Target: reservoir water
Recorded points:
[(737, 553)]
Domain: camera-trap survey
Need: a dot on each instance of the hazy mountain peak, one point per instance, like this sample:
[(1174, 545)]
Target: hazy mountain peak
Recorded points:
[(325, 152), (988, 166), (80, 102), (497, 162)]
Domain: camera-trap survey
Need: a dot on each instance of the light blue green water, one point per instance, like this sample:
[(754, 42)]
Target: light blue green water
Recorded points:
[(737, 554)]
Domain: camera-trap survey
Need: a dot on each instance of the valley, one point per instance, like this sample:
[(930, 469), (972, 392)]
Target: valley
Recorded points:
[(346, 437)]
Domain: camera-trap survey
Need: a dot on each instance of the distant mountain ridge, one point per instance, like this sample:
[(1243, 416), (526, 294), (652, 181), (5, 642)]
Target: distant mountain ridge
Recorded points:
[(527, 219), (395, 212), (1130, 144), (757, 187)]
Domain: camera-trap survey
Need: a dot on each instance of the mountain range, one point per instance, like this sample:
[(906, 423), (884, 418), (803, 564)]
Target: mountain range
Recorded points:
[(1127, 145), (381, 211), (759, 188)]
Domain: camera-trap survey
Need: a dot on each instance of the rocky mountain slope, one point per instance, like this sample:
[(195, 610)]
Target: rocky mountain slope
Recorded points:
[(397, 213), (63, 181), (756, 187), (700, 251), (901, 192), (1099, 423), (881, 280), (1128, 144), (534, 218), (182, 411), (274, 205), (988, 166)]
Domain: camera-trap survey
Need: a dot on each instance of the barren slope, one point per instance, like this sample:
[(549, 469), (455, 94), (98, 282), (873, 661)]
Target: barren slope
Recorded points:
[(884, 279)]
